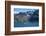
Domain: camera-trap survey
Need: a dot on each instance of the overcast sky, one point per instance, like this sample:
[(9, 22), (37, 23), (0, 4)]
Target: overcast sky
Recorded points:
[(17, 10)]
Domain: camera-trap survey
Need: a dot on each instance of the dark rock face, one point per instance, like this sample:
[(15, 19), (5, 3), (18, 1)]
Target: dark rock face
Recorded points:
[(33, 18)]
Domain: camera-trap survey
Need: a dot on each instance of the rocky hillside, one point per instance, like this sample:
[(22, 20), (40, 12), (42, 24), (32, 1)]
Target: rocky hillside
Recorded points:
[(27, 16)]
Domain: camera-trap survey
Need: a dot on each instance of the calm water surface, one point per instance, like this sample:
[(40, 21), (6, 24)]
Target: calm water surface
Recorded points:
[(26, 24)]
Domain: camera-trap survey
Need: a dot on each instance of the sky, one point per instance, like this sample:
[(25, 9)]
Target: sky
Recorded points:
[(17, 10)]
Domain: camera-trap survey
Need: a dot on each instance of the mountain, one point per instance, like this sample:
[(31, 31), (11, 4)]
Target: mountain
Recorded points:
[(22, 16)]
